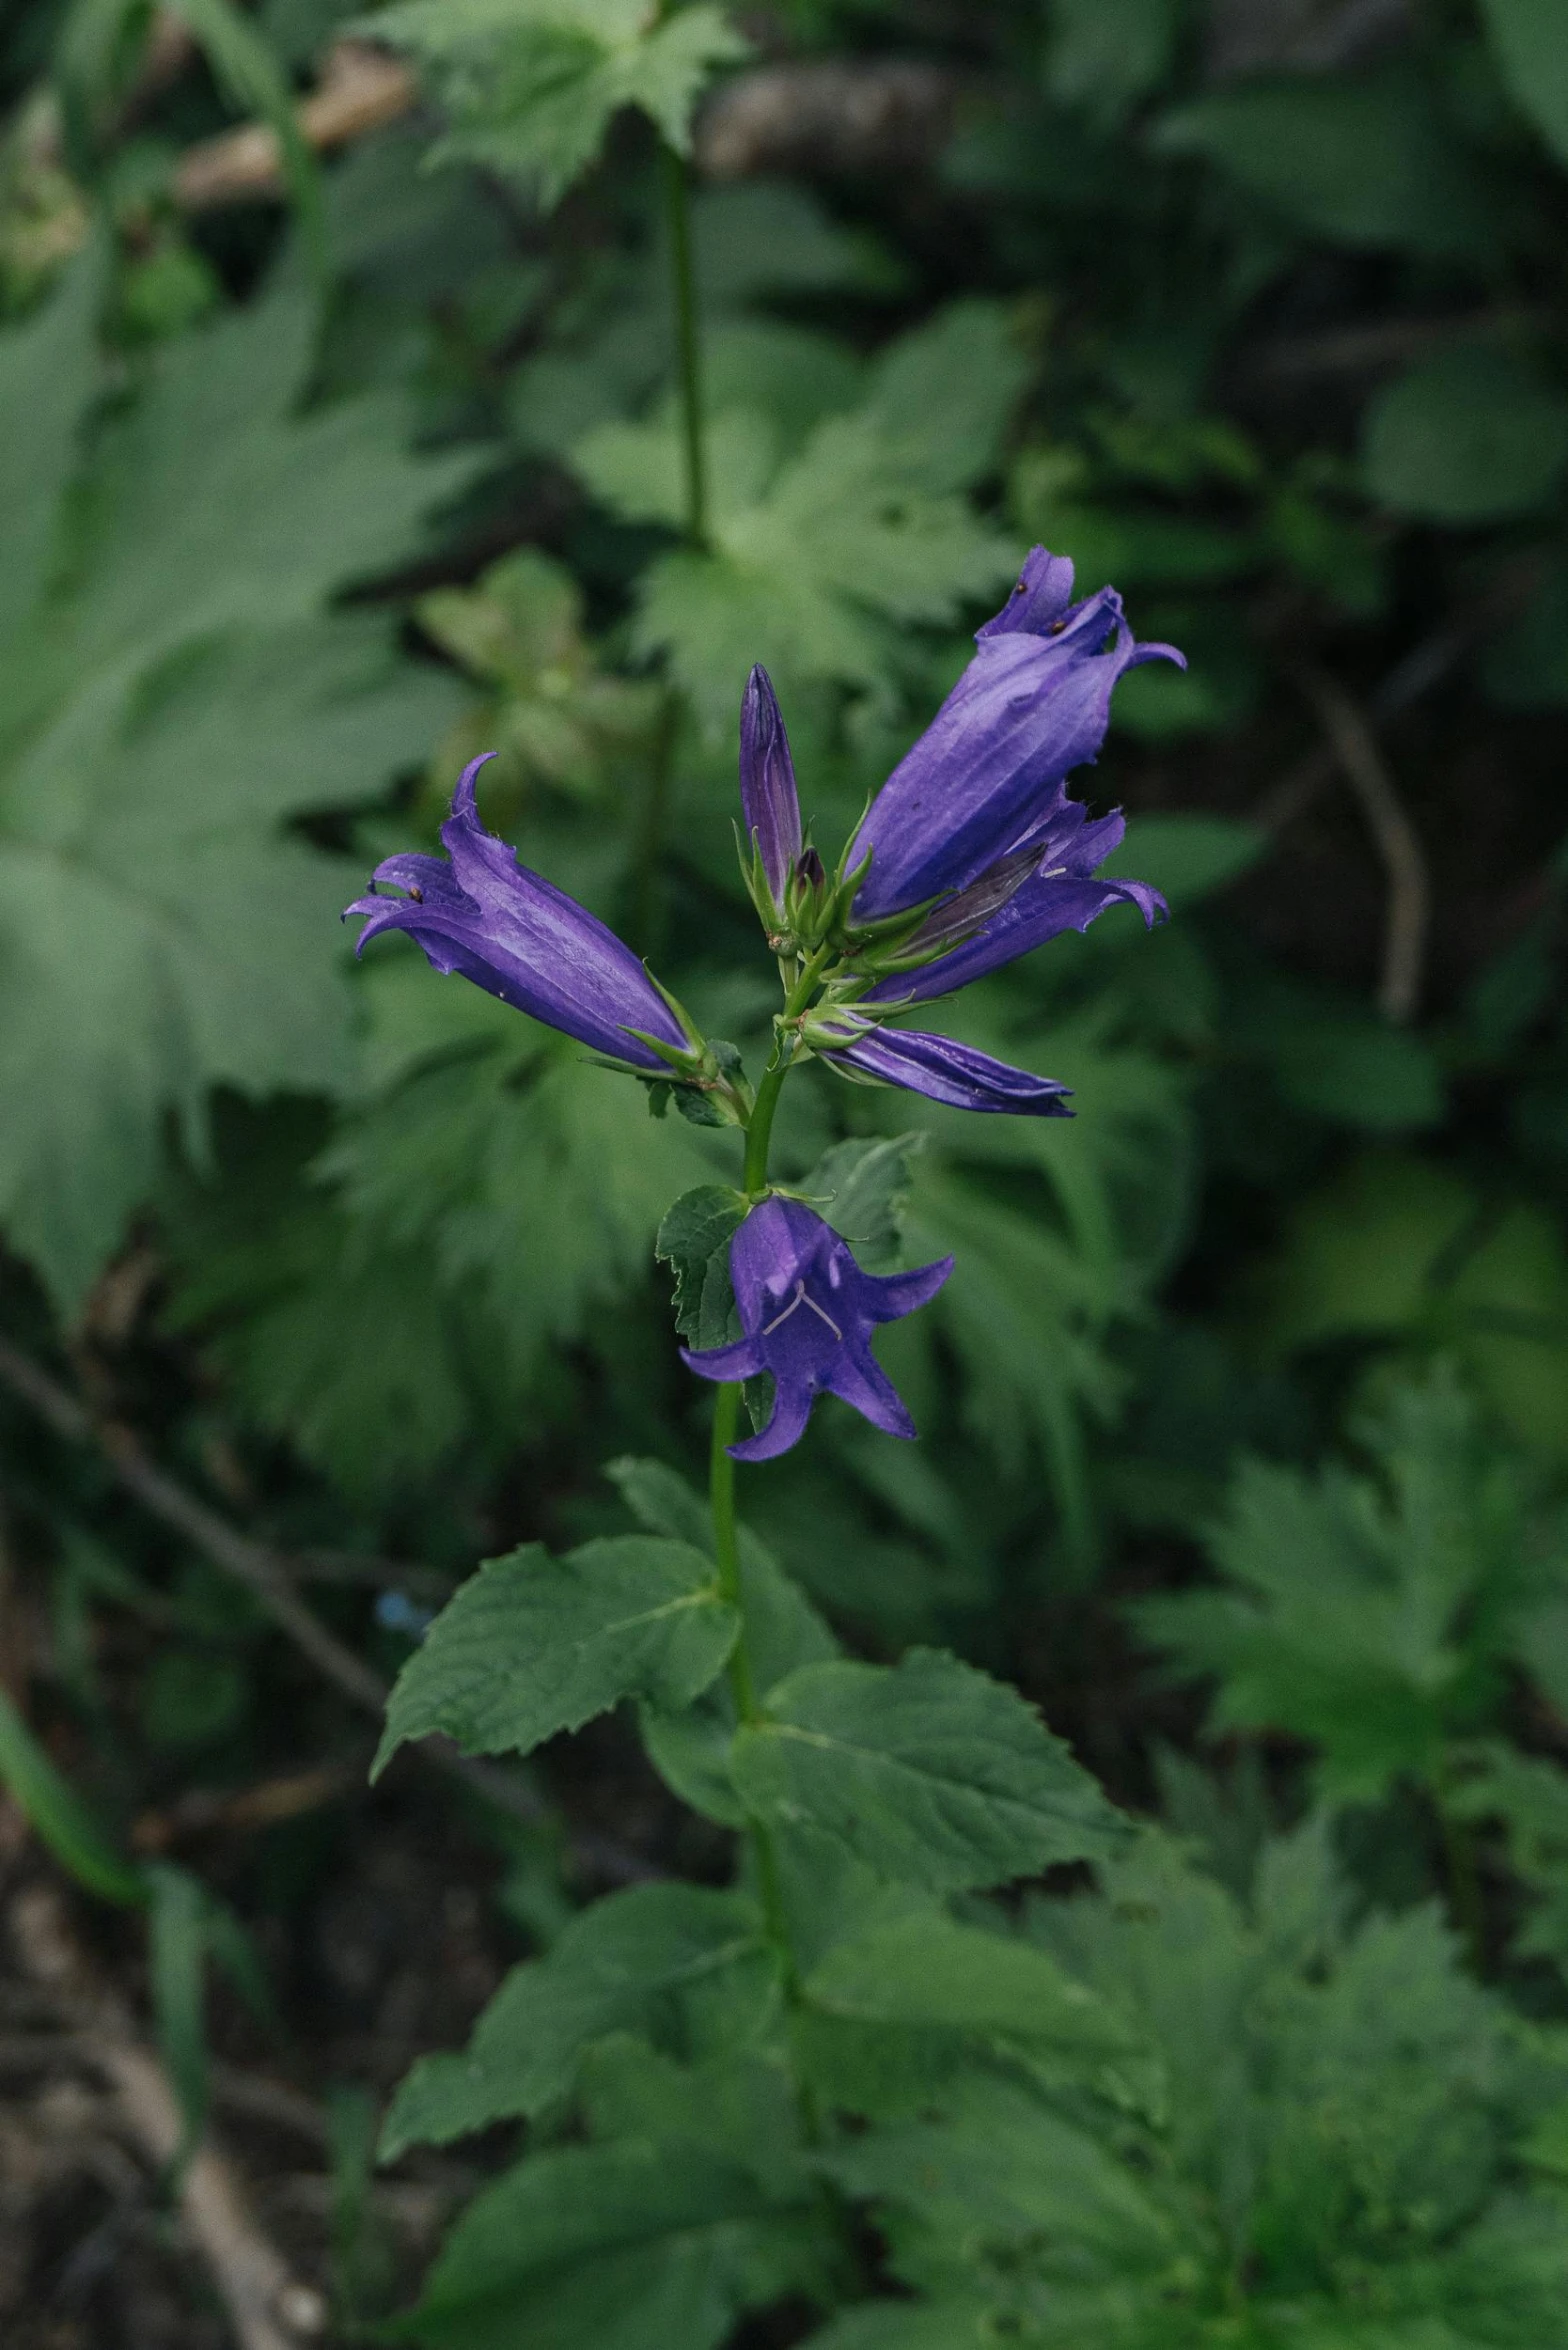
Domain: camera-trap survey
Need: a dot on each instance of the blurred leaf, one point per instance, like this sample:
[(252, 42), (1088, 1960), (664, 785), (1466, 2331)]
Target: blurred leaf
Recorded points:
[(630, 2247), (931, 1773), (190, 1699), (1529, 1795), (1525, 666), (633, 1962), (58, 1816), (532, 1645), (530, 86), (1475, 435), (176, 1953), (1530, 40), (1105, 54), (1364, 163), (1187, 857)]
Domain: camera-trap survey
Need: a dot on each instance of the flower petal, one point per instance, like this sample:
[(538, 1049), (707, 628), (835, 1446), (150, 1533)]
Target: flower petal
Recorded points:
[(947, 1071), (860, 1380), (740, 1361), (892, 1295), (786, 1424)]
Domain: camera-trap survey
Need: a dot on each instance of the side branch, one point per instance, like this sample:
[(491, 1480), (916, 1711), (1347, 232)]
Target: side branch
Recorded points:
[(1404, 860)]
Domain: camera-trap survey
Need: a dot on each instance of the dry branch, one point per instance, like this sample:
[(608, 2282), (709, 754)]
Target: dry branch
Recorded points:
[(361, 89), (1355, 750), (269, 2307)]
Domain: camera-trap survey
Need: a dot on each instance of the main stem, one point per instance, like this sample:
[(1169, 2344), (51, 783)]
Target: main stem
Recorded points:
[(677, 200), (743, 1687)]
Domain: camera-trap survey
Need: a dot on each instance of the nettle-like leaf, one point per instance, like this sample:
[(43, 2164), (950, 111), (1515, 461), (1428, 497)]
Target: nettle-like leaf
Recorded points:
[(634, 2246), (931, 1772), (819, 552), (1370, 1617), (172, 693), (533, 1645), (530, 86), (690, 1747), (643, 1961), (531, 1177)]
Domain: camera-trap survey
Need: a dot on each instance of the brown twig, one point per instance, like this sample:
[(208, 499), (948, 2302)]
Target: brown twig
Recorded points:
[(361, 89), (269, 2307), (1354, 748)]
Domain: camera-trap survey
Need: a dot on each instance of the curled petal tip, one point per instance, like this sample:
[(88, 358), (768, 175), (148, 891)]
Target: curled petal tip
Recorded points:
[(464, 798)]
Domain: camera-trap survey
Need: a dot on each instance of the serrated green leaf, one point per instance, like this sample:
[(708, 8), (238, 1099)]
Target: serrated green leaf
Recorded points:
[(815, 553), (691, 1749), (1368, 1618), (633, 1962), (931, 1772), (531, 86), (165, 710), (860, 1187), (694, 1240), (633, 2247), (533, 1645), (927, 1970)]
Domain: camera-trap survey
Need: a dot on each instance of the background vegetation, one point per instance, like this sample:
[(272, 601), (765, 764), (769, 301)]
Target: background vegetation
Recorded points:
[(1245, 1414)]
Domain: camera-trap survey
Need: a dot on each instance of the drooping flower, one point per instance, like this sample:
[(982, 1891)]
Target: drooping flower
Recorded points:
[(768, 798), (1060, 891), (985, 779), (807, 1312), (944, 1070), (479, 912)]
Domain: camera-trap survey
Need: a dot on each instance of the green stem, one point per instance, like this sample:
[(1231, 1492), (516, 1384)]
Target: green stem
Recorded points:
[(677, 200), (743, 1687), (759, 1128)]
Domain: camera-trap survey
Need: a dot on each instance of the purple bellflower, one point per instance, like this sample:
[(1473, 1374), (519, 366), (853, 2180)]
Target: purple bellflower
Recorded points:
[(807, 1312), (945, 1070), (768, 798), (479, 912), (985, 779)]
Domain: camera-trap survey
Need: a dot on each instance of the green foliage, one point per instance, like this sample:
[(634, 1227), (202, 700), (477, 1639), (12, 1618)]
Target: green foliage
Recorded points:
[(172, 693), (931, 1773), (1373, 1618), (694, 1241), (622, 2247), (1369, 162), (818, 552), (534, 1645), (671, 1962), (1531, 45), (1473, 436), (530, 86)]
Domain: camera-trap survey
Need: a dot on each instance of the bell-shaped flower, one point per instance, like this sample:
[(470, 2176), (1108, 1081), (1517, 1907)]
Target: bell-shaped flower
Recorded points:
[(1059, 890), (768, 798), (807, 1312), (942, 1069), (479, 912), (985, 779)]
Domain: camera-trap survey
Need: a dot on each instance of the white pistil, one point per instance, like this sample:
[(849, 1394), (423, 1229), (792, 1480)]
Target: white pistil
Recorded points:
[(798, 1300)]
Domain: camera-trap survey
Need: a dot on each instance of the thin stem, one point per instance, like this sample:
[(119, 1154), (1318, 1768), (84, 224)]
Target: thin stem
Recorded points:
[(683, 276), (759, 1128)]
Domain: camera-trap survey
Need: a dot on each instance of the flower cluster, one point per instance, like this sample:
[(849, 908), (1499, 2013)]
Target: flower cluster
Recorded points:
[(969, 856)]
